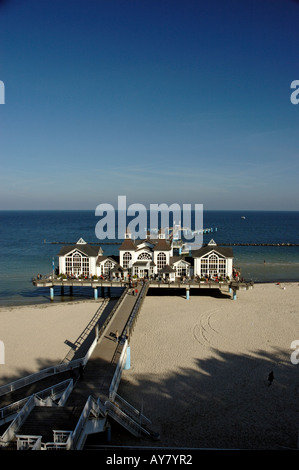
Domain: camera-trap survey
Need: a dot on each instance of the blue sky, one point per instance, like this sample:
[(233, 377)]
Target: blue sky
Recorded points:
[(176, 101)]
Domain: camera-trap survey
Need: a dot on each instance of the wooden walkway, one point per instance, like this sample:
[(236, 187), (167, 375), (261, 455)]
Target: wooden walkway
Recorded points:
[(96, 380), (100, 368)]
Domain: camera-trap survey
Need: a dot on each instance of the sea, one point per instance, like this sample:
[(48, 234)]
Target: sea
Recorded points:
[(31, 240)]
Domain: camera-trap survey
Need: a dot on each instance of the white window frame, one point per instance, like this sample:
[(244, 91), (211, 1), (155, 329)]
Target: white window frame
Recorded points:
[(161, 260)]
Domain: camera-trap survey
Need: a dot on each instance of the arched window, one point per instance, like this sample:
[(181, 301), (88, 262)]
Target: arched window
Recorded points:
[(126, 259), (77, 264), (77, 261), (144, 256), (213, 264), (108, 265), (181, 269), (161, 261)]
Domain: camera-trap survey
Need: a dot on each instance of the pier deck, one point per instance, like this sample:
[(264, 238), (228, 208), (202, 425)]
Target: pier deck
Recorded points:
[(100, 369), (188, 284)]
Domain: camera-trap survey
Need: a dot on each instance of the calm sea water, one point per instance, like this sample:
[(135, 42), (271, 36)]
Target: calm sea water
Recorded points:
[(26, 247)]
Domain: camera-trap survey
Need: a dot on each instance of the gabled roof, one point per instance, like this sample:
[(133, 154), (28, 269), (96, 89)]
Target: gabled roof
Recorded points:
[(162, 245), (146, 249), (117, 269), (177, 259), (145, 244), (112, 258), (167, 269), (225, 251), (141, 263), (84, 248), (127, 244)]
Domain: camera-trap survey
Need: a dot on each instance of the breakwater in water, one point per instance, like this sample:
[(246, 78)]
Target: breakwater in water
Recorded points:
[(259, 244), (222, 244)]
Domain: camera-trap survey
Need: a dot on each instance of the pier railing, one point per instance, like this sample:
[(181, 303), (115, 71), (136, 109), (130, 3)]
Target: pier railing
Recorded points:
[(60, 390), (86, 331), (117, 374), (64, 366), (42, 374)]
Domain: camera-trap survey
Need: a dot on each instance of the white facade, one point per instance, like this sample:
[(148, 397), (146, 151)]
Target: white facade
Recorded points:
[(213, 261), (182, 267), (108, 267), (79, 260), (145, 258)]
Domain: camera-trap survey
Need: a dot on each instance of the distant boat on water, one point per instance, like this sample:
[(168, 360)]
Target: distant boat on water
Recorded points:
[(243, 217)]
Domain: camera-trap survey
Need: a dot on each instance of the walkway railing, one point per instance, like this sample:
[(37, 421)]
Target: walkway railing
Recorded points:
[(122, 411), (79, 341), (64, 366), (131, 410), (117, 374), (78, 434), (134, 314), (125, 420), (102, 330), (60, 390), (42, 374), (10, 432)]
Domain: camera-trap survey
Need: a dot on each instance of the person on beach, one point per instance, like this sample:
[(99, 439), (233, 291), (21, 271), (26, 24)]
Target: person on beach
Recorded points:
[(270, 378)]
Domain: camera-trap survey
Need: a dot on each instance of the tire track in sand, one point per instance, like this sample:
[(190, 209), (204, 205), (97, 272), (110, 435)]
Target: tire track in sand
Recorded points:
[(203, 332)]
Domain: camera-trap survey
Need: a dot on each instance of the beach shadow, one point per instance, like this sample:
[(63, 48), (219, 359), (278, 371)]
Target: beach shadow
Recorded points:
[(222, 403), (181, 292)]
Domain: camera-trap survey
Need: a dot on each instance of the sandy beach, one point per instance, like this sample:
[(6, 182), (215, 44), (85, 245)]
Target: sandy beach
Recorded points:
[(38, 336), (199, 369)]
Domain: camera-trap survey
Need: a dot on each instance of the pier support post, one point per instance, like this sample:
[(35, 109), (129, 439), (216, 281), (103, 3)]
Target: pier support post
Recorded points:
[(128, 359), (187, 294), (52, 293), (95, 293)]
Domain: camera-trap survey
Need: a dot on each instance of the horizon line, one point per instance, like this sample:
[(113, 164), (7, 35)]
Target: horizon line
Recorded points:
[(116, 210)]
